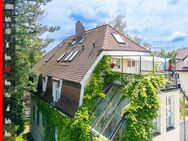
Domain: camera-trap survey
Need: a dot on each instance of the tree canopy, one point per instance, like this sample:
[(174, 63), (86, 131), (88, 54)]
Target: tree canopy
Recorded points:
[(29, 44)]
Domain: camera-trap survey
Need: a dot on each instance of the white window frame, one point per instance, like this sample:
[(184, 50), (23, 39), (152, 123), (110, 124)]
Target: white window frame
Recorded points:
[(57, 90), (157, 123), (131, 63), (118, 38), (170, 112), (44, 83)]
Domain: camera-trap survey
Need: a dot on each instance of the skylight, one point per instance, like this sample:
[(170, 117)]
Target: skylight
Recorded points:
[(48, 59), (73, 42), (82, 40), (68, 55), (73, 55), (118, 38), (61, 57)]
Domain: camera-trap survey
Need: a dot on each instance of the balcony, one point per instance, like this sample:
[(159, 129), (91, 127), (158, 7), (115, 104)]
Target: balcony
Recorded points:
[(131, 66)]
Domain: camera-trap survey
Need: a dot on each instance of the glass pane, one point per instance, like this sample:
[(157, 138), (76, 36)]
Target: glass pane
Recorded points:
[(102, 105), (115, 119), (108, 112)]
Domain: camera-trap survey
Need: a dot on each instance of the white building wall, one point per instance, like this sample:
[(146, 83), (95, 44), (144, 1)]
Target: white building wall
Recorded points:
[(174, 134), (184, 80)]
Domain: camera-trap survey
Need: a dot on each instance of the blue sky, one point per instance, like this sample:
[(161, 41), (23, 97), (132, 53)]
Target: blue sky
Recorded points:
[(162, 23)]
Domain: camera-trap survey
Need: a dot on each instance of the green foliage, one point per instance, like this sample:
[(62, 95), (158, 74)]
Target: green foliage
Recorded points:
[(143, 107), (77, 128), (28, 45), (141, 111)]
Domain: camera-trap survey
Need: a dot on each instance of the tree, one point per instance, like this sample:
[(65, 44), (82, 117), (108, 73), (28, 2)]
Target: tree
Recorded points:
[(120, 24), (29, 43)]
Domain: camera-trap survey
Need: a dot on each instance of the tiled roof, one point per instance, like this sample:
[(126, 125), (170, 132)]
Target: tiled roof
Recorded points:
[(78, 67), (181, 55)]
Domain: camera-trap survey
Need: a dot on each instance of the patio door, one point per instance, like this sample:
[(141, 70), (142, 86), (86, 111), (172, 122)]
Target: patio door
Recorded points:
[(131, 66)]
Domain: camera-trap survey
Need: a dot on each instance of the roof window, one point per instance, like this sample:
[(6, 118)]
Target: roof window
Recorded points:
[(62, 55), (118, 38), (48, 58), (73, 55), (82, 40), (67, 56)]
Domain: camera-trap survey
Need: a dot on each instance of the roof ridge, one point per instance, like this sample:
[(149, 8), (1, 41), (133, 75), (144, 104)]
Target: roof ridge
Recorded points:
[(96, 28)]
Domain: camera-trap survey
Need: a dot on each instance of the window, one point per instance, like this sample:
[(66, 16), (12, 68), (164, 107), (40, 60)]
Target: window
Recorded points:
[(73, 55), (33, 113), (131, 63), (82, 40), (48, 58), (157, 128), (170, 112), (38, 116), (63, 55), (44, 83), (118, 38), (56, 90), (128, 63), (73, 42), (68, 55)]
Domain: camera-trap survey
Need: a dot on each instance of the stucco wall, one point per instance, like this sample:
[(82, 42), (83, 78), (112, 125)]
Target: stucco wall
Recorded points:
[(174, 134), (184, 80)]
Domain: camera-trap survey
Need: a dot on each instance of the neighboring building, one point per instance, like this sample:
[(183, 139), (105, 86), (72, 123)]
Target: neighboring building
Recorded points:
[(65, 71), (182, 67)]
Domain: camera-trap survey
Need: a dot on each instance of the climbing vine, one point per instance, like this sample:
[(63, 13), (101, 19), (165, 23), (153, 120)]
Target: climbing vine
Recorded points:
[(140, 112), (143, 108)]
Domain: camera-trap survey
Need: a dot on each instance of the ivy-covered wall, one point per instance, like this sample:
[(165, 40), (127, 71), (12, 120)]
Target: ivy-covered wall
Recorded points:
[(140, 112)]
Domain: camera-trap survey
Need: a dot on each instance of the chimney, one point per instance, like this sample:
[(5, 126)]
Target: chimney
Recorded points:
[(79, 30)]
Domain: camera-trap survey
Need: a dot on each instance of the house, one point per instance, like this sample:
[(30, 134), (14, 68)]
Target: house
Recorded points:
[(64, 73), (182, 69)]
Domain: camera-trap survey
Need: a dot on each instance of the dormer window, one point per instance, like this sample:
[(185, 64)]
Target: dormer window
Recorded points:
[(118, 38), (57, 84), (44, 83)]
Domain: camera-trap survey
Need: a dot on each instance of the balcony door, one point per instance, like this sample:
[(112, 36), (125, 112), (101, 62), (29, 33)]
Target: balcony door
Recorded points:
[(131, 66)]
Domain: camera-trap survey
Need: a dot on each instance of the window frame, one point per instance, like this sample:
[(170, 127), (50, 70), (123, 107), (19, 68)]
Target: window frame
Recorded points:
[(56, 96), (170, 115), (44, 83)]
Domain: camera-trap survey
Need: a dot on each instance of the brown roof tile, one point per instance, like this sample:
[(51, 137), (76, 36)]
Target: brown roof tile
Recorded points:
[(181, 55), (78, 67)]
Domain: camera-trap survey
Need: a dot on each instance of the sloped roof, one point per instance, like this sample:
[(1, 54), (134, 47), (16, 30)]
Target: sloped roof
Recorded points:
[(181, 55), (78, 67)]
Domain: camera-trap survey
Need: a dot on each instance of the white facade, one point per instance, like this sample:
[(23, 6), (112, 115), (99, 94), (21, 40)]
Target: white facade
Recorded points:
[(172, 134), (183, 76)]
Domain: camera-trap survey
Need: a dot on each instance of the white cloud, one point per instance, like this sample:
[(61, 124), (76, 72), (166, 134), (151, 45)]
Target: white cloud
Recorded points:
[(157, 21)]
